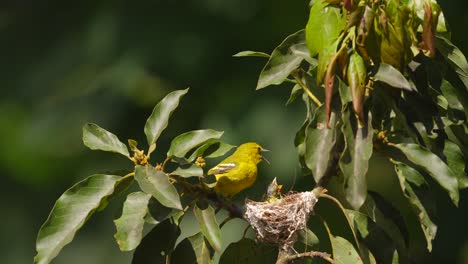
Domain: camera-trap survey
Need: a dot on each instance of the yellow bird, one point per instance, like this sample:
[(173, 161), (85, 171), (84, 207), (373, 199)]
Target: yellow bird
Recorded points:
[(238, 171)]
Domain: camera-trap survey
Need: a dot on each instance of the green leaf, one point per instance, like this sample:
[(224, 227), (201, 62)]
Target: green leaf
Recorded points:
[(157, 245), (246, 251), (211, 149), (295, 92), (209, 226), (201, 248), (320, 141), (450, 94), (434, 166), (130, 225), (324, 59), (455, 58), (189, 170), (373, 235), (185, 142), (249, 53), (159, 118), (324, 26), (354, 160), (393, 77), (97, 138), (157, 184), (282, 61), (72, 210), (308, 238), (456, 162), (404, 173), (385, 221), (343, 251)]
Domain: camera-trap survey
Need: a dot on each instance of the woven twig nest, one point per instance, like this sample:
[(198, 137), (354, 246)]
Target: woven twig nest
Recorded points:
[(277, 222)]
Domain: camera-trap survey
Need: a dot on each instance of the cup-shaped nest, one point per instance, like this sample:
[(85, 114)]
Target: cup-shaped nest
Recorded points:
[(277, 222)]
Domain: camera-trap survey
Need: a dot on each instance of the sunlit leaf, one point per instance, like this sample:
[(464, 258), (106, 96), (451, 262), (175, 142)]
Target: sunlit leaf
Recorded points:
[(72, 210), (354, 160), (434, 166), (282, 61), (157, 184), (404, 173), (456, 162), (157, 245), (393, 77), (249, 53), (343, 251), (357, 75), (189, 170), (130, 225), (185, 142), (97, 138), (324, 26), (319, 143), (246, 251), (201, 249), (209, 226), (159, 118)]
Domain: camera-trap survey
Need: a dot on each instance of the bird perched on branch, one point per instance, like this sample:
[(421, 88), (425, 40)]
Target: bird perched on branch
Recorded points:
[(238, 171)]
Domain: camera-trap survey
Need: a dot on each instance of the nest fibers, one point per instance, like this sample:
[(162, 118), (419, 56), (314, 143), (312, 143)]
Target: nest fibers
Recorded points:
[(277, 222)]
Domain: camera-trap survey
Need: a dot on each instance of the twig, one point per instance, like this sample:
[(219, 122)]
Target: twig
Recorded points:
[(304, 87), (350, 222), (284, 257)]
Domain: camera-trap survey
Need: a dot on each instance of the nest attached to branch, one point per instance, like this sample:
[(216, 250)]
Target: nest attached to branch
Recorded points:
[(278, 222)]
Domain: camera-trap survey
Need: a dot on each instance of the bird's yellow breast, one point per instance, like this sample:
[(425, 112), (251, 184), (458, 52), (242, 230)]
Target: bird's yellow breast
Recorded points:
[(236, 180)]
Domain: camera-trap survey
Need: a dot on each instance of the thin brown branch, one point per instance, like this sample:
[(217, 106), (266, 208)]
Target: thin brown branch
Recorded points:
[(284, 257)]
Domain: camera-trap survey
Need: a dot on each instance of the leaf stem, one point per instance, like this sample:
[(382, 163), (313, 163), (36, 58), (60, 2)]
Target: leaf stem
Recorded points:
[(350, 223), (306, 89)]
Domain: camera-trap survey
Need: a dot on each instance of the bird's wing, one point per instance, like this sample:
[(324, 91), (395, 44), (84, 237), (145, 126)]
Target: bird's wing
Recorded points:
[(222, 168)]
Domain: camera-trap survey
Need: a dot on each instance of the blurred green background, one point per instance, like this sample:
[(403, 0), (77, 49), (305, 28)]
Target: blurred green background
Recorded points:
[(65, 63)]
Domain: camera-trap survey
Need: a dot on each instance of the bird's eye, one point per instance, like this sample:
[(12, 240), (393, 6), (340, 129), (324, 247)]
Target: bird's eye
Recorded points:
[(259, 150)]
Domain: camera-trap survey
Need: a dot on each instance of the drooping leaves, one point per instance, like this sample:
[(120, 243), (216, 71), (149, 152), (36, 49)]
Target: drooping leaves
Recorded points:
[(130, 225), (393, 77), (434, 166), (407, 175), (319, 144), (157, 245), (159, 118), (97, 138), (157, 184), (209, 226), (455, 57), (185, 142), (282, 61), (357, 75), (456, 162), (201, 248), (354, 160), (72, 210)]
